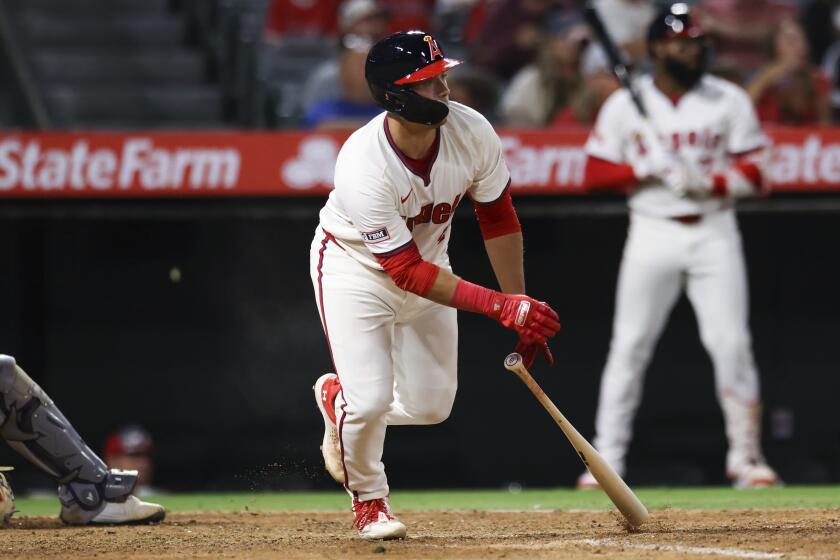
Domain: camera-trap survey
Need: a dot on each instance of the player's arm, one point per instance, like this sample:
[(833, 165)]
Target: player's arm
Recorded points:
[(533, 321), (502, 233), (747, 148), (606, 168), (502, 236)]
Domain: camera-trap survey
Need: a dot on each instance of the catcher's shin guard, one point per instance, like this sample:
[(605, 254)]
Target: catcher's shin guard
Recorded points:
[(32, 424)]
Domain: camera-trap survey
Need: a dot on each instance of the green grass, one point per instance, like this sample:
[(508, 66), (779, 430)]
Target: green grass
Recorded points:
[(560, 499)]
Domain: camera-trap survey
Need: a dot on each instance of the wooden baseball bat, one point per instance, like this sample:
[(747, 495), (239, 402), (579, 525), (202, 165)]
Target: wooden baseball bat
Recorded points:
[(624, 499)]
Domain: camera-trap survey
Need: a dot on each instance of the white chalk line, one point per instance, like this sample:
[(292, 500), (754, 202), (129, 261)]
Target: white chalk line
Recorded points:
[(703, 550)]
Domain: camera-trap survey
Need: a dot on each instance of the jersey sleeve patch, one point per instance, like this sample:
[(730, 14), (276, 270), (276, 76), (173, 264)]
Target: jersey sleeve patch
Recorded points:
[(376, 236)]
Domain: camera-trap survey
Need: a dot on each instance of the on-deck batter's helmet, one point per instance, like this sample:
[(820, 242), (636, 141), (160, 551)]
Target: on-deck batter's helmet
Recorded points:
[(674, 21), (401, 59)]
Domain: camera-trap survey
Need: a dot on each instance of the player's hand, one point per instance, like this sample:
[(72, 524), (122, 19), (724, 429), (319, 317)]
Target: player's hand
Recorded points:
[(652, 165), (534, 321), (529, 352), (686, 180)]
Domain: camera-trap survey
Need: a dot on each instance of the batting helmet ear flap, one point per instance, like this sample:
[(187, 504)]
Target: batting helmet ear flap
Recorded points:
[(408, 104)]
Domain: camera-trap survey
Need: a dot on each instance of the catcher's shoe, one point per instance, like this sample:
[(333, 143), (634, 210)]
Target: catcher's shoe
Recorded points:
[(326, 389), (7, 497), (587, 482), (758, 475), (374, 520), (131, 511)]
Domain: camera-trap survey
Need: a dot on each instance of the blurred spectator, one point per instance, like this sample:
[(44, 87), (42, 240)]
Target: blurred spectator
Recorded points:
[(457, 21), (738, 29), (511, 36), (597, 83), (627, 22), (789, 89), (131, 448), (410, 14), (300, 18), (817, 16), (354, 106), (540, 89), (831, 64), (474, 88), (355, 17)]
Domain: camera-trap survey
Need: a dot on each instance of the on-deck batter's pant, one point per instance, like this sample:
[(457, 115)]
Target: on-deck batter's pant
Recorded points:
[(394, 352), (661, 257)]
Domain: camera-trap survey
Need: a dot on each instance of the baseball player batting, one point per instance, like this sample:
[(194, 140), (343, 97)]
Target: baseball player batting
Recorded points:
[(700, 149), (89, 492), (383, 284)]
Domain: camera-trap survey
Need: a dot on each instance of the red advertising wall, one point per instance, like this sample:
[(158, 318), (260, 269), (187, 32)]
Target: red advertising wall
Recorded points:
[(162, 164)]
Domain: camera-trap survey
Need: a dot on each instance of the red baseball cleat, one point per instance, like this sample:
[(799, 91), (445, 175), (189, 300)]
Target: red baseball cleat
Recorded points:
[(326, 389), (374, 520), (587, 482)]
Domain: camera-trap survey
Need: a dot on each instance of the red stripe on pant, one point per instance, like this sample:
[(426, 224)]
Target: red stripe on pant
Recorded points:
[(327, 237)]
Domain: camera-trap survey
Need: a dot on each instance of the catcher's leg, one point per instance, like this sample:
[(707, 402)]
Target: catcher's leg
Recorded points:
[(89, 492)]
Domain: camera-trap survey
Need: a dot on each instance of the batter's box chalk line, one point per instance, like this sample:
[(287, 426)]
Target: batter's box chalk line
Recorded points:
[(705, 550)]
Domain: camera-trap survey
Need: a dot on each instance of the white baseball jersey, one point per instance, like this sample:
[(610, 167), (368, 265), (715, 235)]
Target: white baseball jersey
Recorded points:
[(379, 205), (395, 352), (705, 127)]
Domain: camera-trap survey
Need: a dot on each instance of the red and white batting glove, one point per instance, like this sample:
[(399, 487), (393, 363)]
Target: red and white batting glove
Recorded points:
[(529, 352), (534, 321)]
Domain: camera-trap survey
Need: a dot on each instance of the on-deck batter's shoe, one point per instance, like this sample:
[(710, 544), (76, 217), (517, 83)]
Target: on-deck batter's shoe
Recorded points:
[(755, 476), (132, 511), (374, 520), (587, 482), (326, 389)]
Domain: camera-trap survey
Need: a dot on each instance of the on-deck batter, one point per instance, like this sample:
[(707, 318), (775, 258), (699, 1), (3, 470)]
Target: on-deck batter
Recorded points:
[(683, 235), (379, 265)]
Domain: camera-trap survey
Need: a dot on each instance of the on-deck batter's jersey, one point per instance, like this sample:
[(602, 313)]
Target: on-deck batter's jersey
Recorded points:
[(379, 205), (706, 126)]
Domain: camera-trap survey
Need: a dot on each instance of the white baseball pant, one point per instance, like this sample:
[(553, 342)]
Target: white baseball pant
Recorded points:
[(661, 258), (395, 354)]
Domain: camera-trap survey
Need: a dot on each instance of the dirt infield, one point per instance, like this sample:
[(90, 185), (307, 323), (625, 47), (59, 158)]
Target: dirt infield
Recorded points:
[(671, 534)]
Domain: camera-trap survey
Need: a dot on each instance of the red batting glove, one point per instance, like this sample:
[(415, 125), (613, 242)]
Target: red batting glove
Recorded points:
[(529, 352), (534, 321)]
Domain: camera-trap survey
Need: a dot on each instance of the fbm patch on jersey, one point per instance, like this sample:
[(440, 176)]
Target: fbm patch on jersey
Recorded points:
[(376, 236)]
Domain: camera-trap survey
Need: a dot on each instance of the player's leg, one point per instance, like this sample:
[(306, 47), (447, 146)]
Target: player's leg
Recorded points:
[(649, 282), (425, 363), (717, 289), (89, 492), (356, 308)]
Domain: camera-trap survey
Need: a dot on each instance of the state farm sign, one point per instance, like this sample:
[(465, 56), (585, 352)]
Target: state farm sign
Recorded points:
[(810, 162), (30, 166), (56, 165)]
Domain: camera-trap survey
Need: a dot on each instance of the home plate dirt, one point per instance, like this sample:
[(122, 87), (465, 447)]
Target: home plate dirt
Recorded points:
[(670, 534)]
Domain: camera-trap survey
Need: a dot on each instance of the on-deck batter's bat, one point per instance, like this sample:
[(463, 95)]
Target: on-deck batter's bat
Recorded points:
[(619, 67), (624, 499)]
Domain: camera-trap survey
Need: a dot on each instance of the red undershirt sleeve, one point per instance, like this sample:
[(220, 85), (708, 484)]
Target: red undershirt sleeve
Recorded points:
[(748, 180), (604, 175), (408, 270), (497, 218)]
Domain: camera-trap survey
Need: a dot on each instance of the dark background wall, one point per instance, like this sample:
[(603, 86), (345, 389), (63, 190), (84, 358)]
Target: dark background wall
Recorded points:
[(218, 364)]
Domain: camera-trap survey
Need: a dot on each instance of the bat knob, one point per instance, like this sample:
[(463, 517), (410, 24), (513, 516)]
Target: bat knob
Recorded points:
[(513, 359)]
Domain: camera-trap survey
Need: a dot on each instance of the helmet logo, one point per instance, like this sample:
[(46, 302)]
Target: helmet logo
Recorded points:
[(434, 49)]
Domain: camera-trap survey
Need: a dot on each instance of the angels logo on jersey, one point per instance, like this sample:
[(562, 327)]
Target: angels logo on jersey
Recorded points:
[(435, 213), (434, 49)]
